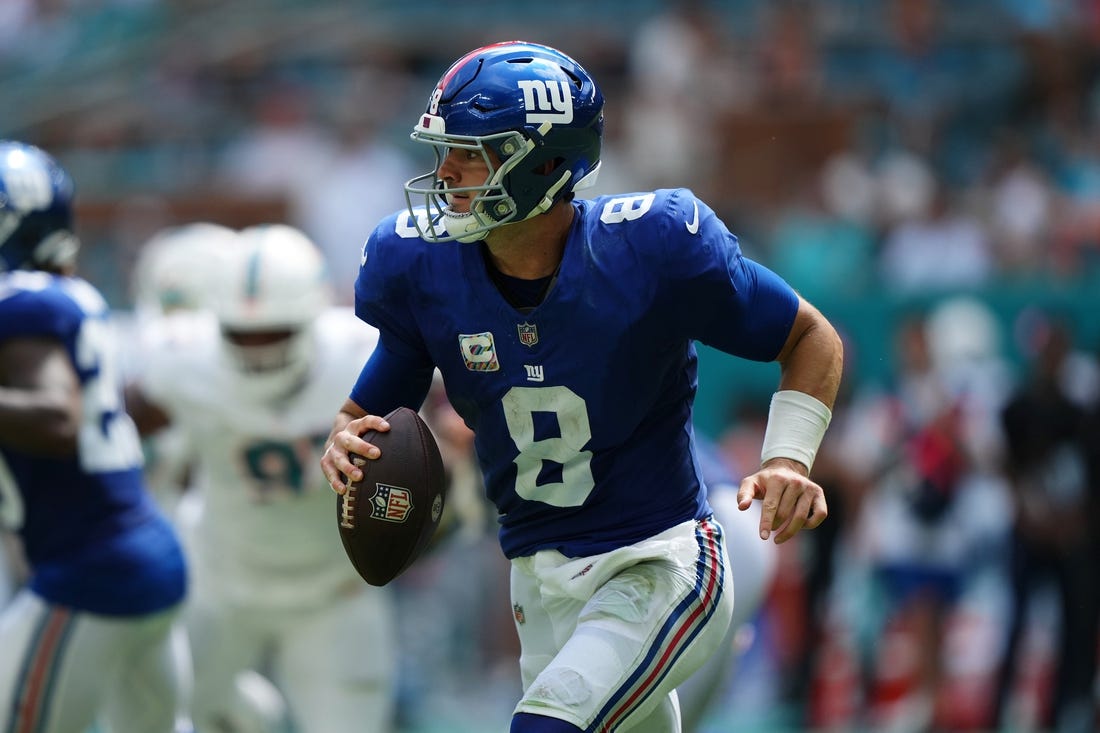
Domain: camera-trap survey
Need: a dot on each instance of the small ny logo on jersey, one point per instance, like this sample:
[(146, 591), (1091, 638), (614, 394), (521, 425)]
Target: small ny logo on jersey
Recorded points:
[(534, 372), (547, 101)]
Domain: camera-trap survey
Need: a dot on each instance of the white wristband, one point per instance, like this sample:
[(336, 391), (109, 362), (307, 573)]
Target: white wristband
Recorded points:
[(796, 425)]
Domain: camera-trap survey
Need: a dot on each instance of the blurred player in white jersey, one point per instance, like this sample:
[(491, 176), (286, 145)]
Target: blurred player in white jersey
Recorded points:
[(252, 382), (173, 269), (171, 274), (88, 638)]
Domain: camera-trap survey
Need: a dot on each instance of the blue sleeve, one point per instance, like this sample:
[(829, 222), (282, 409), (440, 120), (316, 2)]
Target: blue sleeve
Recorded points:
[(399, 371), (45, 312), (729, 302), (391, 379), (383, 291)]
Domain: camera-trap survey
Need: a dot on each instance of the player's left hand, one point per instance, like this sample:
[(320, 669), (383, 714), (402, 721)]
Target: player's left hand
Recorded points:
[(791, 500)]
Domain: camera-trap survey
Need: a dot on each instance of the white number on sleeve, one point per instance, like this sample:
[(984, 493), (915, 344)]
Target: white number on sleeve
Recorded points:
[(520, 404), (626, 208), (108, 439), (406, 228)]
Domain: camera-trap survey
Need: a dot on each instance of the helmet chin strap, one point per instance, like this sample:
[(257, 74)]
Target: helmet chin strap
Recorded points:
[(464, 227), (548, 200)]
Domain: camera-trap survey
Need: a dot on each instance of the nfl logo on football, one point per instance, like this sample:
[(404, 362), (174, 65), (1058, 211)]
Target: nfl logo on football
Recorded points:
[(391, 503), (528, 334)]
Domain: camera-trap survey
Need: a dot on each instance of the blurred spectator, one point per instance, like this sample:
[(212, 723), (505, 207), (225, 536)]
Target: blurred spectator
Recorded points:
[(933, 508), (1078, 180), (1021, 208), (906, 186), (928, 69), (15, 17), (363, 177), (849, 188), (790, 73), (967, 350), (41, 36), (282, 150), (935, 246), (684, 72), (824, 252), (1055, 503), (831, 569)]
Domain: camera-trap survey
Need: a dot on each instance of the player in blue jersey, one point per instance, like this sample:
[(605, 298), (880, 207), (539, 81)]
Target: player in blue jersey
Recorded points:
[(564, 331), (89, 638)]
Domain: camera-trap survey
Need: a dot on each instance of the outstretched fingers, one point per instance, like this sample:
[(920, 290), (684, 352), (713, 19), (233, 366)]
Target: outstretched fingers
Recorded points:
[(336, 462), (791, 502)]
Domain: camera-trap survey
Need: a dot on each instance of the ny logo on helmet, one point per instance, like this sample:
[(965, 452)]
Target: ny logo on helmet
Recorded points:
[(547, 101)]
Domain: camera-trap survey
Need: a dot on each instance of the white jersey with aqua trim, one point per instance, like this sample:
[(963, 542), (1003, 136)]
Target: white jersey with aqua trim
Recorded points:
[(262, 528)]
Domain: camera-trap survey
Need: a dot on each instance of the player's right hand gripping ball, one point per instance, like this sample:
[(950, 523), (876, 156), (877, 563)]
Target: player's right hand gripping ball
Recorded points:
[(388, 518)]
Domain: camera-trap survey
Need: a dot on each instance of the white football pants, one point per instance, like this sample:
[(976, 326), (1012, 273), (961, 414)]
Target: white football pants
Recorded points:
[(606, 639)]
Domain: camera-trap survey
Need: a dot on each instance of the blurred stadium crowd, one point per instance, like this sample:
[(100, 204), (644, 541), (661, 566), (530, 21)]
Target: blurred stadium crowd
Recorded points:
[(928, 173)]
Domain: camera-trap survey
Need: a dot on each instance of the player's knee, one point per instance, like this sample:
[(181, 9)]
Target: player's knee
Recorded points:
[(252, 705), (562, 687), (628, 596)]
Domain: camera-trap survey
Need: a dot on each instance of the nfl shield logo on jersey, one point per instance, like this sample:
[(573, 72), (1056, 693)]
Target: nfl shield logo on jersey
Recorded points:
[(528, 334), (391, 503)]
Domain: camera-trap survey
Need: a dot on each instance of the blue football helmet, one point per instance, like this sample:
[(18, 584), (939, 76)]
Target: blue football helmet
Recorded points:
[(36, 210), (529, 105)]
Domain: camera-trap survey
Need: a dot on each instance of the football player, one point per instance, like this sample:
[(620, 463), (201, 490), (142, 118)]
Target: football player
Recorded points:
[(171, 274), (89, 638), (564, 330), (251, 382)]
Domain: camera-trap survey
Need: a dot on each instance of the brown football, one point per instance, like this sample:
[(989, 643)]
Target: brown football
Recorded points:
[(388, 518)]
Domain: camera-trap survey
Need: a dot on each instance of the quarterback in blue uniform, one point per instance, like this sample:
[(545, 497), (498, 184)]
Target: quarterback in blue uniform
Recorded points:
[(564, 331), (89, 637)]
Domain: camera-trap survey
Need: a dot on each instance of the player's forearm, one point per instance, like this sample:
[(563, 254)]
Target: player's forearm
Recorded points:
[(348, 411), (38, 422), (814, 361), (148, 417), (801, 409)]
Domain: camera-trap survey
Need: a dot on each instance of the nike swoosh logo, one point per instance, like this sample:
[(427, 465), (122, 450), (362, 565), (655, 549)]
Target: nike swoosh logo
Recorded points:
[(693, 225)]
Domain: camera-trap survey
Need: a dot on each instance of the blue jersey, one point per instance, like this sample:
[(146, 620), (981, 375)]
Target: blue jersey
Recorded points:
[(93, 537), (582, 407)]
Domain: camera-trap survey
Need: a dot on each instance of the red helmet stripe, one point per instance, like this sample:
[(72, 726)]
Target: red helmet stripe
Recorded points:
[(462, 61)]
